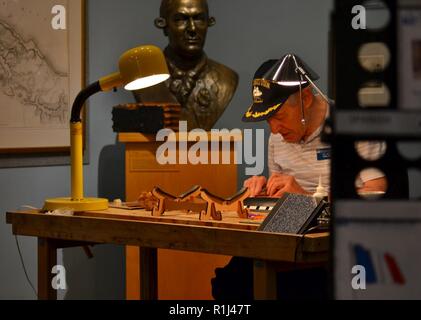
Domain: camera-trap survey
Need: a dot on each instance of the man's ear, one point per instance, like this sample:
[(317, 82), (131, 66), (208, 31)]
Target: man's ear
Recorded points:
[(161, 23), (307, 97), (211, 21)]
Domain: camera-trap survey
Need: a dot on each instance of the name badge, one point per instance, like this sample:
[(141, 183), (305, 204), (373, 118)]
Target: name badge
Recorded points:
[(323, 154)]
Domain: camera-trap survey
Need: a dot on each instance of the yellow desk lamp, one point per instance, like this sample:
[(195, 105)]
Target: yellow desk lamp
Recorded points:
[(140, 68)]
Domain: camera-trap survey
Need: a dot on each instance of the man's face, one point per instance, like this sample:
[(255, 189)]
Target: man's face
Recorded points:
[(287, 121), (187, 25)]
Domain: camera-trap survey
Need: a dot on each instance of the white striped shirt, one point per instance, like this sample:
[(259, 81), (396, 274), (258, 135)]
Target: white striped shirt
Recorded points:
[(304, 161), (308, 160)]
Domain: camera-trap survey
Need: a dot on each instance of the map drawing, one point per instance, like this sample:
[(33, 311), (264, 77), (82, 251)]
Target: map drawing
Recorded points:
[(34, 83)]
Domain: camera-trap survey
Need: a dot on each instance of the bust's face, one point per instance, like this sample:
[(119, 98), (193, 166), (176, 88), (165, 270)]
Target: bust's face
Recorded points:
[(187, 25)]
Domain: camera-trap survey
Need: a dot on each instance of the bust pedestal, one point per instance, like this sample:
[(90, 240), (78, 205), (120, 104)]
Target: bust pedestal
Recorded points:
[(181, 274)]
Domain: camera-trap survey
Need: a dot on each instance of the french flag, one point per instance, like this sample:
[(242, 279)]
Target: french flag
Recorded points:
[(379, 267)]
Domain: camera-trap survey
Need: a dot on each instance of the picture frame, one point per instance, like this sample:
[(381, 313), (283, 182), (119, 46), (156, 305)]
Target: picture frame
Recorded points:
[(47, 52)]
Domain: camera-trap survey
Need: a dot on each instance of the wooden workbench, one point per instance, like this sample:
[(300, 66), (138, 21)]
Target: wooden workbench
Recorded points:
[(175, 231)]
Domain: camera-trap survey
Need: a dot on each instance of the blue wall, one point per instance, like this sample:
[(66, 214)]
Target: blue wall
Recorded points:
[(247, 33)]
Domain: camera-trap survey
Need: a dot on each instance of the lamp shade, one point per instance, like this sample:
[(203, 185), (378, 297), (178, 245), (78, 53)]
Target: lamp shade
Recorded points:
[(285, 71), (143, 67), (140, 67)]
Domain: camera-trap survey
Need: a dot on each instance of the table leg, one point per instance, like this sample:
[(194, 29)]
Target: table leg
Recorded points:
[(264, 277), (47, 259), (132, 273), (149, 273)]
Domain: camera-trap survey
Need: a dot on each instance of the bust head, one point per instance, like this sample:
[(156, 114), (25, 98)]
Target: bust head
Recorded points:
[(185, 23), (202, 86)]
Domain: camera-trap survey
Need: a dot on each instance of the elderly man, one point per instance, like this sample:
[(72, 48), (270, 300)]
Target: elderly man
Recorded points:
[(297, 158), (202, 86)]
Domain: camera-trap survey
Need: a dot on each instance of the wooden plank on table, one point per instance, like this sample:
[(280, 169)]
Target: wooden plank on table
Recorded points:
[(224, 241)]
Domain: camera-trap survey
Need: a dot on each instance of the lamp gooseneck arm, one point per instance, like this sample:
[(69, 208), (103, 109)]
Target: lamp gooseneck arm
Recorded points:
[(80, 100), (76, 141)]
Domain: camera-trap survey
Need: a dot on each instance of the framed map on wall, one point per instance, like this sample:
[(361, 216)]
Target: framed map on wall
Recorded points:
[(41, 72)]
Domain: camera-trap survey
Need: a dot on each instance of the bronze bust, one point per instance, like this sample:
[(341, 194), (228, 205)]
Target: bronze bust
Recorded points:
[(203, 87)]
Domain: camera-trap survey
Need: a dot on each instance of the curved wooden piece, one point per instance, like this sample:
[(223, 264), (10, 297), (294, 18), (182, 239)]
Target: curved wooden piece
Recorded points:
[(234, 203), (211, 213), (192, 193), (161, 194), (185, 202), (242, 212), (239, 196)]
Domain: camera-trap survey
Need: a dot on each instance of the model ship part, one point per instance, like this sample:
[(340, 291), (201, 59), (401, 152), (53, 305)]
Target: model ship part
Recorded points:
[(214, 214), (147, 201), (216, 205), (188, 195), (189, 201)]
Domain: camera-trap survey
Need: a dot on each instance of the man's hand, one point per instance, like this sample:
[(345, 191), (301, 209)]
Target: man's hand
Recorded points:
[(255, 184), (280, 183)]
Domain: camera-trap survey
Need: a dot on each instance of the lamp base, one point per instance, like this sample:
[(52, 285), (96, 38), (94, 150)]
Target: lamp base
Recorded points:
[(86, 204)]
